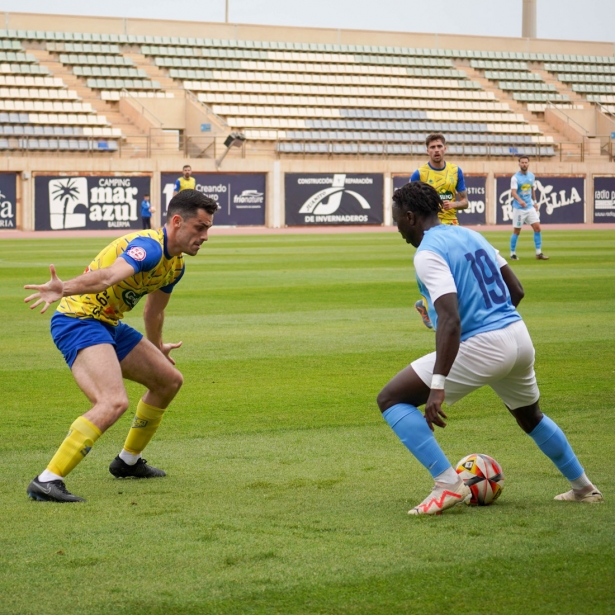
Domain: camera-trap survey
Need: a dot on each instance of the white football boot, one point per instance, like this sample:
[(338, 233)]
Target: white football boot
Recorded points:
[(588, 497), (442, 497)]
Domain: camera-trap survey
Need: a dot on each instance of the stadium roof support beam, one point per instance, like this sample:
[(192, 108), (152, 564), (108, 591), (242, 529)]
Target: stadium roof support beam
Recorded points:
[(529, 19)]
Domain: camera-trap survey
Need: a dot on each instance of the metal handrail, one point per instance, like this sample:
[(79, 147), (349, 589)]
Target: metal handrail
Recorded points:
[(194, 98), (568, 118), (144, 109)]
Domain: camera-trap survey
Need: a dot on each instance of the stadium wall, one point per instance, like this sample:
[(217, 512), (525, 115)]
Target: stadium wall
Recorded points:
[(153, 27), (26, 169)]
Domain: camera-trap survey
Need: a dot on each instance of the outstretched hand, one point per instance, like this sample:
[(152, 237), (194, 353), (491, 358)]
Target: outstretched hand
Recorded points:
[(433, 409), (166, 350), (47, 293)]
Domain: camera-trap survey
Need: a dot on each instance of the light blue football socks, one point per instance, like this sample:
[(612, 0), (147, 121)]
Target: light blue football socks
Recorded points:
[(513, 243), (551, 440), (410, 426), (538, 242)]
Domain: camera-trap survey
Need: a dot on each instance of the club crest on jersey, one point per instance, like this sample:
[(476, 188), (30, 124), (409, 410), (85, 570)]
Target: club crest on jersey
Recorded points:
[(137, 253)]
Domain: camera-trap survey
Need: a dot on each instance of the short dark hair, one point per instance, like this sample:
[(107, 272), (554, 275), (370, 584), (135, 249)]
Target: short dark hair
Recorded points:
[(186, 166), (187, 202), (435, 136), (523, 156), (419, 198), (145, 195)]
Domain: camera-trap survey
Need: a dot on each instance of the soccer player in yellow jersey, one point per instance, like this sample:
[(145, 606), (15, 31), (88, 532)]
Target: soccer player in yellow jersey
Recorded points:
[(449, 183), (101, 350), (185, 182)]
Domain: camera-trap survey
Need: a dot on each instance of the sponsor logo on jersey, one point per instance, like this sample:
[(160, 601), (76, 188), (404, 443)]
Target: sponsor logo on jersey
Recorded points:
[(131, 298), (137, 253)]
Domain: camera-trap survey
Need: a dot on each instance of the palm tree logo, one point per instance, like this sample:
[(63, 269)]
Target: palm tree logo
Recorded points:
[(65, 195)]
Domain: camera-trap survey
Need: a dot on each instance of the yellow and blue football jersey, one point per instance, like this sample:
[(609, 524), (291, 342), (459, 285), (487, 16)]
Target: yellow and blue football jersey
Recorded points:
[(447, 182), (154, 268), (185, 184)]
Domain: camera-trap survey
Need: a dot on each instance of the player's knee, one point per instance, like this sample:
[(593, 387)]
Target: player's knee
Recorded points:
[(177, 381), (385, 400), (118, 404), (173, 382)]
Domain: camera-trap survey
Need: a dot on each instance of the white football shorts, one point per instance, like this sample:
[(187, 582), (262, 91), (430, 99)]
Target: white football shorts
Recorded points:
[(502, 359), (529, 215)]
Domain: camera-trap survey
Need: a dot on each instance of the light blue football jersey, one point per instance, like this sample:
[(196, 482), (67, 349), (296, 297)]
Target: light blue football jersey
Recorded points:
[(525, 185), (482, 295)]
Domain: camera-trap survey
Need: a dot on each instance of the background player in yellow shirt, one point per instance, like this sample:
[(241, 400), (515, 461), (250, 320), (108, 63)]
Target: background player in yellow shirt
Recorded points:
[(449, 183), (186, 181), (101, 350)]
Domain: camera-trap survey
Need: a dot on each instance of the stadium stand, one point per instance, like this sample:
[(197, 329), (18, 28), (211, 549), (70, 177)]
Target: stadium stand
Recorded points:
[(303, 97)]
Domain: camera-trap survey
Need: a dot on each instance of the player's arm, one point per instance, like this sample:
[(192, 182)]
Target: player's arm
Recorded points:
[(534, 198), (88, 283), (462, 201), (177, 188), (153, 317), (436, 275), (448, 338), (514, 285)]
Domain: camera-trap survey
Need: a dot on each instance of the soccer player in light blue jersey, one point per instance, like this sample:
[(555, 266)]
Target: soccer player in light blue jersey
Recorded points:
[(524, 208), (481, 340)]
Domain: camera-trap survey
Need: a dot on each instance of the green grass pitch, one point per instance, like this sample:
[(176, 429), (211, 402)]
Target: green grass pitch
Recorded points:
[(286, 491)]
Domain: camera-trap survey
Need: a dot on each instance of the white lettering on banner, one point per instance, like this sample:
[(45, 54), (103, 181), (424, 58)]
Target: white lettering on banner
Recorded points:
[(329, 180), (475, 207), (546, 196), (604, 199), (117, 204), (550, 199), (476, 189), (249, 196), (218, 188), (316, 203), (113, 201), (114, 181), (6, 208)]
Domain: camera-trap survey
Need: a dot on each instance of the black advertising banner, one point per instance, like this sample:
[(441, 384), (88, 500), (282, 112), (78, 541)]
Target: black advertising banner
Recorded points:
[(91, 202), (475, 186), (240, 196), (8, 196), (604, 199), (333, 198), (560, 199)]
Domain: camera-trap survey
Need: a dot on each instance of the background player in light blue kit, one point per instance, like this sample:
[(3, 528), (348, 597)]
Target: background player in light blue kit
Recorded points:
[(525, 208), (480, 340)]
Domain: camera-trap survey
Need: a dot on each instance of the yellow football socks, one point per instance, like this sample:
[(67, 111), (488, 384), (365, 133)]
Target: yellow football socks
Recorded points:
[(75, 447), (144, 426)]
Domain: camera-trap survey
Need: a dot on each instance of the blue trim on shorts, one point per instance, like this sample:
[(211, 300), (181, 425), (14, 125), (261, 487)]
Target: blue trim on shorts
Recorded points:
[(71, 335)]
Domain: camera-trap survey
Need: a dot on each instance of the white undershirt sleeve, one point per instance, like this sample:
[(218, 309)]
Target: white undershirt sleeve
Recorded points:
[(500, 260), (435, 273), (514, 185)]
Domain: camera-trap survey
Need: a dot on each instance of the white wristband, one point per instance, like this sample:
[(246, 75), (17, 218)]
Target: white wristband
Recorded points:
[(437, 381)]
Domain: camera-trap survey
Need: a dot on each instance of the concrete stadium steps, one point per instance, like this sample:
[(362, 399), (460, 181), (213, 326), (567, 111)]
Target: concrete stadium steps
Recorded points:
[(133, 138), (517, 107), (155, 73)]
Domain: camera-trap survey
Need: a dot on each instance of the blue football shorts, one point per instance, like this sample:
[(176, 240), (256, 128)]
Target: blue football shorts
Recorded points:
[(71, 335)]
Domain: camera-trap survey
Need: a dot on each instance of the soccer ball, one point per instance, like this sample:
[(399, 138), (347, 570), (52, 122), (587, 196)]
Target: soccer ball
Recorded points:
[(484, 476)]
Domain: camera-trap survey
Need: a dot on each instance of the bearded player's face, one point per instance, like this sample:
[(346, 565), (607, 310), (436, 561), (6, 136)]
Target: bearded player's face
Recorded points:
[(436, 151)]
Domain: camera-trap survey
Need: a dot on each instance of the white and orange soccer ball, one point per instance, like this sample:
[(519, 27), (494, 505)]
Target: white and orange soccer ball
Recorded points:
[(484, 476)]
